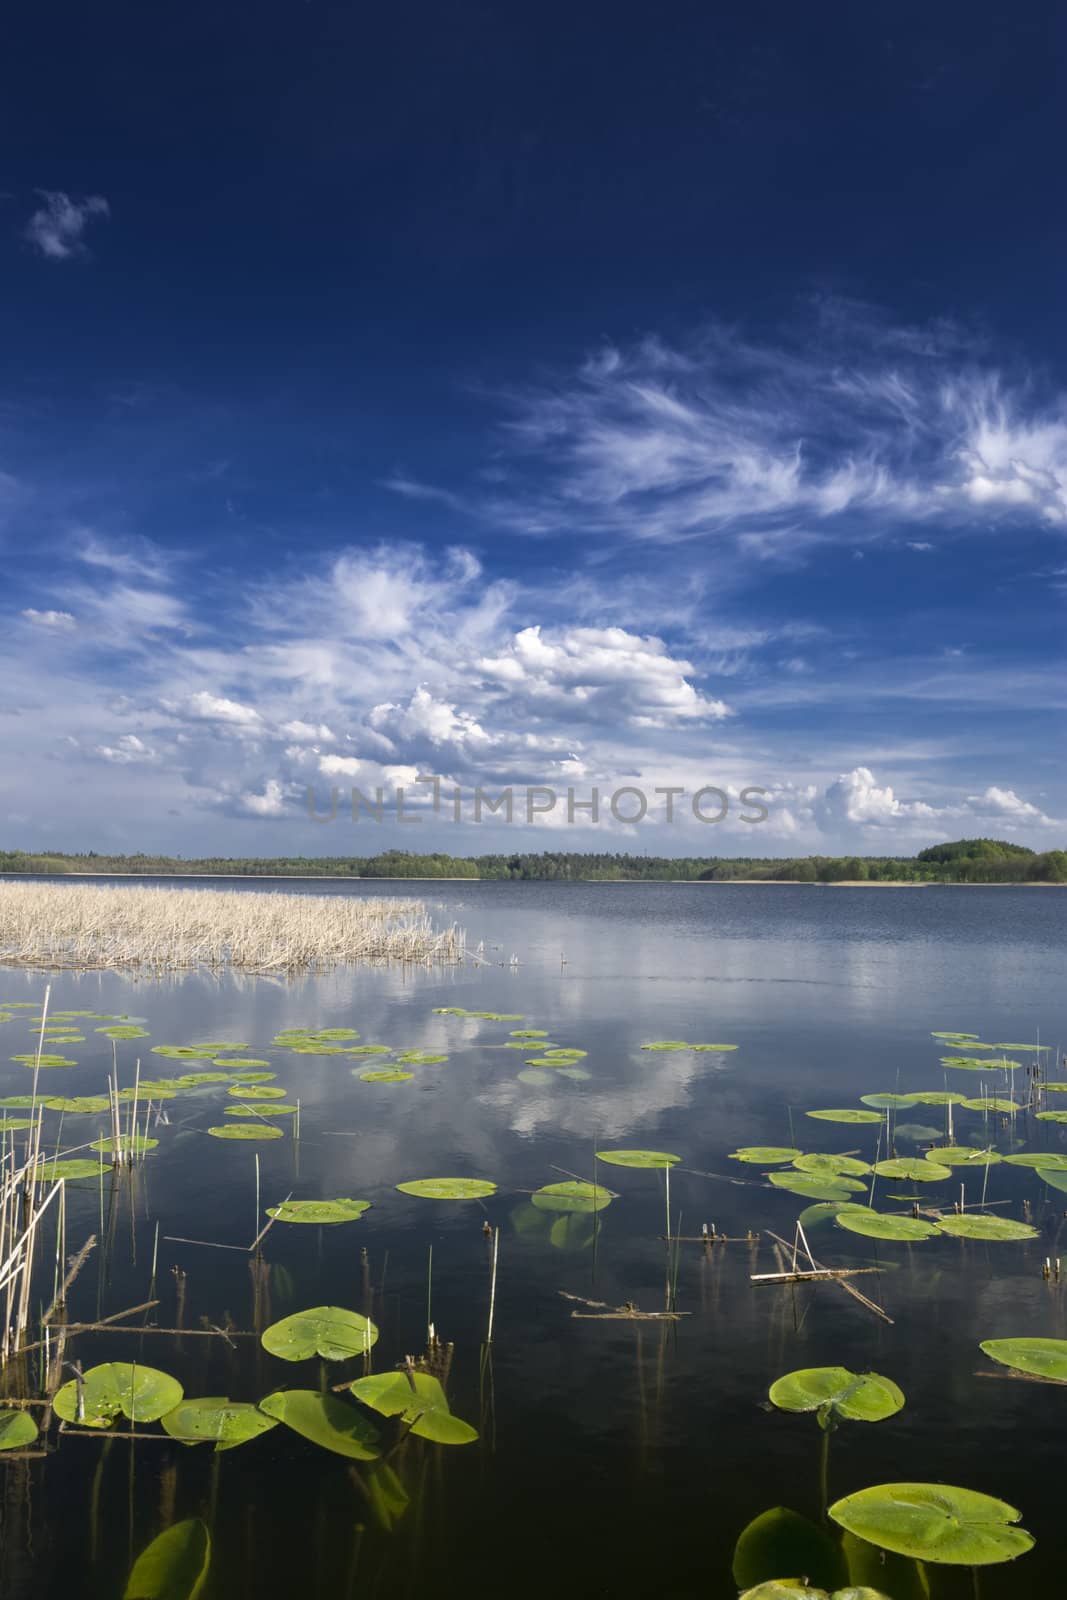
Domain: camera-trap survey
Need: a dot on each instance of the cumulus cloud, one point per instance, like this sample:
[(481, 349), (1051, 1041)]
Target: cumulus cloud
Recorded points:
[(62, 621), (307, 732), (126, 750), (271, 803), (57, 227), (207, 707)]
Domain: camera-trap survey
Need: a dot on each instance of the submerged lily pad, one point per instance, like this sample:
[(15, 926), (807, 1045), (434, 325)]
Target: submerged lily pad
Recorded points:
[(448, 1188), (573, 1196), (847, 1114), (975, 1225), (537, 1076), (327, 1331), (877, 1225), (17, 1429), (915, 1168), (934, 1522), (174, 1566), (780, 1541), (326, 1421), (637, 1158), (141, 1393), (764, 1155), (246, 1130), (1044, 1358), (216, 1420), (837, 1394), (426, 1408), (319, 1210)]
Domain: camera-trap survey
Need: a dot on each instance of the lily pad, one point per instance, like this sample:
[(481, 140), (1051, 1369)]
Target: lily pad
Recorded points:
[(877, 1225), (848, 1114), (174, 1566), (939, 1097), (246, 1130), (186, 1052), (319, 1210), (537, 1076), (976, 1225), (764, 1155), (1051, 1160), (257, 1091), (991, 1102), (425, 1407), (17, 1430), (126, 1144), (1044, 1358), (326, 1421), (529, 1033), (914, 1168), (118, 1387), (666, 1044), (889, 1102), (816, 1188), (817, 1162), (216, 1420), (963, 1156), (837, 1395), (15, 1124), (327, 1331), (1052, 1116), (637, 1158), (780, 1541), (448, 1188), (45, 1061), (385, 1075), (573, 1196), (264, 1108), (67, 1168), (934, 1522)]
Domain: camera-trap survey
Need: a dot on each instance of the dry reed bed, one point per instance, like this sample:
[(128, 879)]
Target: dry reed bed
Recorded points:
[(160, 929)]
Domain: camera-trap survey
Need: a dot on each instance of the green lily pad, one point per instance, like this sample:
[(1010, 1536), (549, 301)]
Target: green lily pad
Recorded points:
[(327, 1331), (326, 1421), (816, 1188), (830, 1164), (1052, 1116), (934, 1522), (950, 1035), (974, 1063), (186, 1052), (939, 1097), (216, 1420), (319, 1210), (125, 1144), (528, 1033), (369, 1050), (637, 1158), (425, 1407), (534, 1075), (876, 1225), (21, 1102), (419, 1058), (764, 1155), (963, 1155), (1011, 1046), (848, 1114), (262, 1108), (67, 1168), (45, 1061), (1044, 1358), (889, 1102), (563, 1055), (246, 1130), (384, 1075), (837, 1394), (174, 1566), (916, 1132), (15, 1124), (780, 1541), (141, 1393), (666, 1044), (1051, 1160), (448, 1188), (256, 1091), (976, 1225), (197, 1080), (244, 1062), (572, 1196), (991, 1102), (914, 1168), (1054, 1178), (17, 1430)]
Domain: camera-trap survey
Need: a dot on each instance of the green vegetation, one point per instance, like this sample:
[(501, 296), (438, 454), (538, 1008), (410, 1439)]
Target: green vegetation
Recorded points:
[(962, 861)]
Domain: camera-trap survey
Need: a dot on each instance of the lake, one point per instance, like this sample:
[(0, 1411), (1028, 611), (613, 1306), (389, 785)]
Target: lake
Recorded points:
[(615, 1456)]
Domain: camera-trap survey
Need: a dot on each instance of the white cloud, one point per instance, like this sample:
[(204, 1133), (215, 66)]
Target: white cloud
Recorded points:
[(56, 227), (127, 750), (207, 707), (271, 803), (307, 732), (61, 620)]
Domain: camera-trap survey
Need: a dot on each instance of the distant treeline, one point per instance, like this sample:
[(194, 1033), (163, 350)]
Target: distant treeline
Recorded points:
[(965, 861)]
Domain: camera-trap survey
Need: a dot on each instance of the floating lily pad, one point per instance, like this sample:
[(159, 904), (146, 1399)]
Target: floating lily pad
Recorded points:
[(246, 1130), (257, 1091), (1052, 1116), (666, 1044), (264, 1108), (529, 1033), (816, 1188), (327, 1331), (817, 1162), (143, 1394), (326, 1421), (914, 1168), (975, 1225), (187, 1052), (638, 1158), (764, 1155), (1051, 1160), (876, 1225), (573, 1195), (934, 1522), (1054, 1178), (963, 1156), (44, 1061), (17, 1430), (120, 1033), (938, 1097), (368, 1050), (15, 1124), (216, 1420), (991, 1103), (942, 1035), (1012, 1046), (20, 1102), (889, 1102), (319, 1210), (127, 1144), (196, 1080), (1044, 1358), (974, 1063), (419, 1058), (448, 1188), (384, 1075), (244, 1062), (564, 1055), (837, 1394), (794, 1589), (848, 1114), (426, 1409), (68, 1168), (174, 1566)]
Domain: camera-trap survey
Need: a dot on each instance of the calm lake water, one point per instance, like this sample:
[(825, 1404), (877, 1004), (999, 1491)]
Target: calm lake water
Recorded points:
[(615, 1457)]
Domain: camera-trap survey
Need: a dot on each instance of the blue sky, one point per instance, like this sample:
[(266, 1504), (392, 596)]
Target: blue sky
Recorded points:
[(574, 398)]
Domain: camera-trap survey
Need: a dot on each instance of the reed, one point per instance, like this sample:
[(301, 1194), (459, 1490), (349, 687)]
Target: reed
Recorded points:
[(76, 925)]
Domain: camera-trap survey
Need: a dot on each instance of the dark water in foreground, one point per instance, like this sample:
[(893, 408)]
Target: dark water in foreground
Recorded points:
[(615, 1458)]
